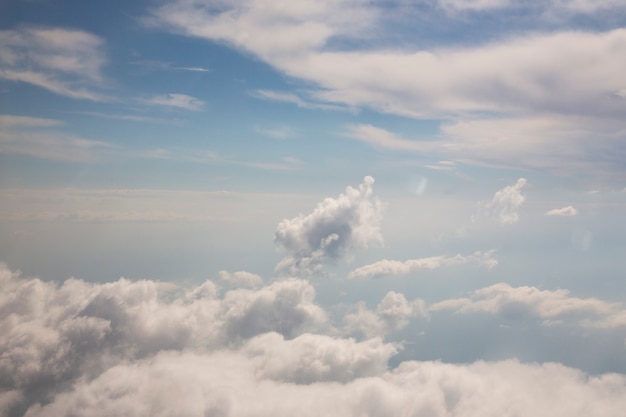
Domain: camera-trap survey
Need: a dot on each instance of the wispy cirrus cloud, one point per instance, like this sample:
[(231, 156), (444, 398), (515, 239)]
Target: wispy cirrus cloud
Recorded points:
[(529, 100), (565, 211), (38, 137), (384, 139), (63, 61), (175, 100)]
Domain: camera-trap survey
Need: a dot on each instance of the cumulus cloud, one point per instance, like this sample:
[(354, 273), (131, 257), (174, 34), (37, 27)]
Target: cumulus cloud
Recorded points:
[(392, 313), (133, 347), (52, 334), (311, 358), (334, 227), (228, 384), (505, 204), (241, 278), (530, 302), (63, 61), (387, 267), (565, 211)]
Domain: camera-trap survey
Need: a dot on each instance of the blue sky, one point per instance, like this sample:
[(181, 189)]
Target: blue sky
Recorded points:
[(403, 180)]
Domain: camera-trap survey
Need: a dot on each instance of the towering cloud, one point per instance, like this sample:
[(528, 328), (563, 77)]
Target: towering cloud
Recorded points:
[(336, 225)]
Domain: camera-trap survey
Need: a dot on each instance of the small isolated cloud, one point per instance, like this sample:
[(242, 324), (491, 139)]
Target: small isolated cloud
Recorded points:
[(505, 203), (241, 278), (336, 226), (565, 211), (386, 268), (181, 101)]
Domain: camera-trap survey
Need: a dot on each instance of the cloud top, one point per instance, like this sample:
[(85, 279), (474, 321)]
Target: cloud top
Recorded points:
[(334, 227)]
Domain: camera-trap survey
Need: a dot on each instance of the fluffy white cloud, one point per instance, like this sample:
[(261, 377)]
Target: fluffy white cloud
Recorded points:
[(565, 211), (241, 278), (392, 313), (311, 358), (505, 203), (392, 268), (335, 226), (228, 384), (50, 334), (66, 62), (531, 302), (135, 348)]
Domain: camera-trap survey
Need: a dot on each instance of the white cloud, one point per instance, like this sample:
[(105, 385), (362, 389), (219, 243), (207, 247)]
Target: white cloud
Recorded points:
[(181, 101), (129, 348), (336, 226), (227, 384), (311, 358), (546, 94), (381, 138), (241, 278), (565, 211), (531, 302), (66, 62), (387, 267), (24, 136), (392, 313), (456, 5), (505, 204)]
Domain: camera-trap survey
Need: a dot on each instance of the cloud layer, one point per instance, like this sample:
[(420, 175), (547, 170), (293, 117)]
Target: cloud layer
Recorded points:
[(138, 348)]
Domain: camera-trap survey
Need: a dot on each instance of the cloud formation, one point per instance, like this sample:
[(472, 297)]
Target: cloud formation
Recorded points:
[(392, 313), (133, 347), (529, 100), (334, 227), (505, 204), (387, 267), (565, 211), (241, 278), (551, 307), (63, 61)]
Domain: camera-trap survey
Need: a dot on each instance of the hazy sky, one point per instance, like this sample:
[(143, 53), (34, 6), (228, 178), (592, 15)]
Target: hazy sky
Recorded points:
[(332, 207)]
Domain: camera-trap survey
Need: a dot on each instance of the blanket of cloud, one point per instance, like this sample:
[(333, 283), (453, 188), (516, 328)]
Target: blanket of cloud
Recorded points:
[(145, 348), (242, 346)]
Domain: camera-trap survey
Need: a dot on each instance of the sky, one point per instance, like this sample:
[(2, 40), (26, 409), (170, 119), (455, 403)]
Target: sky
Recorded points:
[(331, 207)]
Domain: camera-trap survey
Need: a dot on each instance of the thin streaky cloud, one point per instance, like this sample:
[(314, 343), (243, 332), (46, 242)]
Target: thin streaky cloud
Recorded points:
[(565, 211)]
